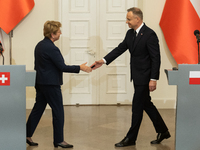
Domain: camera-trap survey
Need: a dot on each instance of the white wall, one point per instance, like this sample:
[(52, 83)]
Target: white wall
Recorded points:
[(29, 31), (165, 95)]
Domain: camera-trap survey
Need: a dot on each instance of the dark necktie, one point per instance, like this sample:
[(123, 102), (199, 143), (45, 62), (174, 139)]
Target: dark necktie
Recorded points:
[(134, 36)]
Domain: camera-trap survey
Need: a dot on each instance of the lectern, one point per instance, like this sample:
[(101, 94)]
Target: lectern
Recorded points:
[(13, 82), (187, 79)]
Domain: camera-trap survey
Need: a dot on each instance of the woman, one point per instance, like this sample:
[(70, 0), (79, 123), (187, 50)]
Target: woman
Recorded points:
[(49, 66)]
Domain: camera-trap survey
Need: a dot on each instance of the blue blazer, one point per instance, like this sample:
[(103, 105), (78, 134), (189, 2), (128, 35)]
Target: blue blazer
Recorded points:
[(144, 55), (50, 65)]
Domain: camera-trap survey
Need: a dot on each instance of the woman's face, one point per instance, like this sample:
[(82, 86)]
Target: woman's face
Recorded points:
[(57, 35)]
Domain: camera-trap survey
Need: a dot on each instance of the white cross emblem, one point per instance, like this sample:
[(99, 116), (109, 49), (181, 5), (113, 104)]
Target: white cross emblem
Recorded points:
[(3, 78)]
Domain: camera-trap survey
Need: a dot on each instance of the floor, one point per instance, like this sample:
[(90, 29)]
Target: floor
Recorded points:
[(100, 127)]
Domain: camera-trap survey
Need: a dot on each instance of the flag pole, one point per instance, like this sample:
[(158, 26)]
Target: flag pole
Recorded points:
[(10, 41)]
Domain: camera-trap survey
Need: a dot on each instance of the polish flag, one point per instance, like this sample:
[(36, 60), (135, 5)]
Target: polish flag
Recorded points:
[(194, 77), (13, 11), (179, 20)]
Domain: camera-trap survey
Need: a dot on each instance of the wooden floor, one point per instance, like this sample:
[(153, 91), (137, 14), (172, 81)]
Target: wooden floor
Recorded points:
[(100, 127)]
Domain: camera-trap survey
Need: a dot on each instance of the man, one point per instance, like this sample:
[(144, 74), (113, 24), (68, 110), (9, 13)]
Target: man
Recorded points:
[(143, 46)]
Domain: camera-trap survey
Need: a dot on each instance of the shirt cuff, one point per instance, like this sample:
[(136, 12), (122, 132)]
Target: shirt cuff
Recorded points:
[(153, 79), (104, 60)]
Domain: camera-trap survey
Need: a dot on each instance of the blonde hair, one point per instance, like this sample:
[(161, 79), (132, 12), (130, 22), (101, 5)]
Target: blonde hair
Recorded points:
[(51, 27)]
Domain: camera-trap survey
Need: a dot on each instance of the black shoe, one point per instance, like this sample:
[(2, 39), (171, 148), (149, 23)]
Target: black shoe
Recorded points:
[(160, 137), (125, 142), (31, 143), (63, 145)]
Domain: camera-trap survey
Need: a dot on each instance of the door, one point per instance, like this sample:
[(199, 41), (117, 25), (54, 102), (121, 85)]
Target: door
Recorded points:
[(90, 29), (78, 44), (115, 85)]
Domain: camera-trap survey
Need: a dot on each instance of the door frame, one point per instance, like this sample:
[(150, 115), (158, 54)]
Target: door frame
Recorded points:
[(97, 56)]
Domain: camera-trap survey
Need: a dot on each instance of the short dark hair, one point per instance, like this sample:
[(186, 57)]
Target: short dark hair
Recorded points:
[(136, 11)]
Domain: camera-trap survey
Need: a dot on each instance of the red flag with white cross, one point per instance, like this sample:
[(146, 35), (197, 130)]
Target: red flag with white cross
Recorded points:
[(4, 78), (13, 11)]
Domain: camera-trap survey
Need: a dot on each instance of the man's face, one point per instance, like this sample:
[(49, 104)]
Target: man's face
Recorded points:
[(132, 20)]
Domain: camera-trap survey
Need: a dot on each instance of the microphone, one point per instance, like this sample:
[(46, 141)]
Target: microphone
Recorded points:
[(1, 48), (196, 33), (1, 51)]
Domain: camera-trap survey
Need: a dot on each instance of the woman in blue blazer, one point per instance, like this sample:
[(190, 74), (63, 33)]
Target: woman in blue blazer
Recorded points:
[(49, 66)]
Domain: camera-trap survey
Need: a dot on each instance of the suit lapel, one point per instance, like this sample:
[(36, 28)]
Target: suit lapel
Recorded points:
[(139, 36)]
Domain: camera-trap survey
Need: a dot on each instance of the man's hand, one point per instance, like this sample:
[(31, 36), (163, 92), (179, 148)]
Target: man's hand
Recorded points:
[(152, 85), (97, 64), (85, 68)]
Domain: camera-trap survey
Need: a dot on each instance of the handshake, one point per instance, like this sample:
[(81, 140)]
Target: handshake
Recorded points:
[(94, 66)]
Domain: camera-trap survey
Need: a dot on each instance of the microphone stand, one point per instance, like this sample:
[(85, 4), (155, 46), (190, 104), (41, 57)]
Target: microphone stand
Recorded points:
[(1, 52), (3, 57), (198, 40)]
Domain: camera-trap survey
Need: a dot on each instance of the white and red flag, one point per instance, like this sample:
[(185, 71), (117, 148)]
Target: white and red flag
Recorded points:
[(194, 77), (180, 18), (4, 78)]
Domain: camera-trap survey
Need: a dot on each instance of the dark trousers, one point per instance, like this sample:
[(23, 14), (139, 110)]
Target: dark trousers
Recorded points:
[(142, 102), (47, 94)]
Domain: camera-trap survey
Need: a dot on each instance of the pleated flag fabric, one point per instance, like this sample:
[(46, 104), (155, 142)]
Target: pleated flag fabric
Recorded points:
[(179, 20), (12, 12)]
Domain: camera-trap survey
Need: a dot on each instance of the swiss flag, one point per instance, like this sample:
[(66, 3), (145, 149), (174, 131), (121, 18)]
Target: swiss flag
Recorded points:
[(13, 11), (4, 78), (180, 18)]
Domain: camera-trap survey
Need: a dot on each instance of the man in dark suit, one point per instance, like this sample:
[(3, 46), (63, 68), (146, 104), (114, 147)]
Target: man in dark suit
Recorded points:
[(143, 46), (49, 66)]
